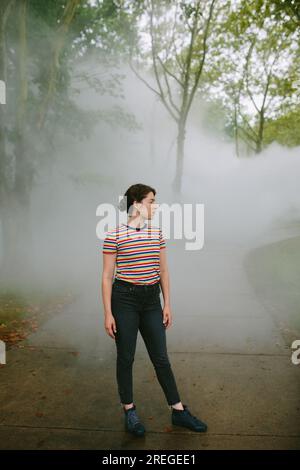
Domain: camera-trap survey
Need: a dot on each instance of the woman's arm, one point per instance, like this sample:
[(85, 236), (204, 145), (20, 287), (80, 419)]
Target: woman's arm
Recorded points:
[(109, 261), (165, 285), (164, 276)]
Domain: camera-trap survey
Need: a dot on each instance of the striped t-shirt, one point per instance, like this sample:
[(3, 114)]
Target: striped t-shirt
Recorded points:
[(137, 252)]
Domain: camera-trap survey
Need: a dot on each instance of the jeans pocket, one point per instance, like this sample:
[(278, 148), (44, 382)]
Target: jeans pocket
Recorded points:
[(120, 288), (154, 298)]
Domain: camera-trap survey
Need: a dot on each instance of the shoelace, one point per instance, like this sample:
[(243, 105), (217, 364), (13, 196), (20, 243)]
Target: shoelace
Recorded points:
[(194, 418)]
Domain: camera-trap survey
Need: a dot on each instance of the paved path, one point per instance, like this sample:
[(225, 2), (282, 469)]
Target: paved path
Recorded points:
[(232, 367)]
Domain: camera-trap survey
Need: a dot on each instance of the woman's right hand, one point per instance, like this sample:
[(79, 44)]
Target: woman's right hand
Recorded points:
[(110, 325)]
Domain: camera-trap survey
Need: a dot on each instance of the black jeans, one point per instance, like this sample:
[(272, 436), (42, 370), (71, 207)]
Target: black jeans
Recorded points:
[(134, 308)]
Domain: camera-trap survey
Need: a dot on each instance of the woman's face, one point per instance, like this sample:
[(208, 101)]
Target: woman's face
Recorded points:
[(148, 206)]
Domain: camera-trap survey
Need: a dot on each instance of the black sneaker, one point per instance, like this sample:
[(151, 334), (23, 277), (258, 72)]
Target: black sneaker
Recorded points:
[(133, 423), (186, 419)]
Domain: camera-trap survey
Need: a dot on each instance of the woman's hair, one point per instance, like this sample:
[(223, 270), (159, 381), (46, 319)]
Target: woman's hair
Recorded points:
[(136, 192)]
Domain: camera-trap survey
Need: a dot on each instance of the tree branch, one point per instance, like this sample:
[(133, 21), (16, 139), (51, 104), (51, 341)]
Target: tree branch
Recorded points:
[(169, 73), (199, 72), (169, 90), (63, 28)]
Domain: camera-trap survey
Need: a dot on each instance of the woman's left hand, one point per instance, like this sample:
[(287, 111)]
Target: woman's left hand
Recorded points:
[(167, 317)]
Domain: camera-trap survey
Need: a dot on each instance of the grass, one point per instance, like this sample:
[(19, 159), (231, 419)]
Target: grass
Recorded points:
[(274, 272), (22, 311)]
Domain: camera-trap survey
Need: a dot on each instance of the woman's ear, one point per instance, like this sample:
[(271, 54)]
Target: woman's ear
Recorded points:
[(137, 206)]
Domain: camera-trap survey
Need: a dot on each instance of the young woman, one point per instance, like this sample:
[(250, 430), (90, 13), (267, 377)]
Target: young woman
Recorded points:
[(132, 303)]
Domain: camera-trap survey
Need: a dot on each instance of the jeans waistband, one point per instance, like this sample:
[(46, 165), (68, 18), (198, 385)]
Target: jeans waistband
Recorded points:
[(137, 286)]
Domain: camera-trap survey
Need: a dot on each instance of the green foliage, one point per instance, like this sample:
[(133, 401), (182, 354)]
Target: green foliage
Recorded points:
[(215, 119), (291, 8), (253, 67), (102, 30), (284, 130)]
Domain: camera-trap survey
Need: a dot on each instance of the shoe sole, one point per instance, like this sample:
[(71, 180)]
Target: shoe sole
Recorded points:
[(191, 429), (135, 434)]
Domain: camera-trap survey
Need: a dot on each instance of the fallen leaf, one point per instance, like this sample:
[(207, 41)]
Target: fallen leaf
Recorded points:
[(168, 429)]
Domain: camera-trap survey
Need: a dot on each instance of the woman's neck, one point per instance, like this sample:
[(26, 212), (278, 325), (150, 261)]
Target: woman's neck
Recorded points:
[(136, 222)]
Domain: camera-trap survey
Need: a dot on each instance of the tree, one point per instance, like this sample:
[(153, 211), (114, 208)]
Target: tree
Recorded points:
[(290, 7), (178, 45), (284, 130), (46, 42), (254, 69)]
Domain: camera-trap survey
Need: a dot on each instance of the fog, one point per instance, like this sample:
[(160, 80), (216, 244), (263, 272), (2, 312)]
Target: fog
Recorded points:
[(234, 302), (247, 202)]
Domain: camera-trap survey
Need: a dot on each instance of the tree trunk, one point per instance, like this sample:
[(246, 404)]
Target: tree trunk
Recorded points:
[(177, 182), (24, 170), (236, 132), (15, 217), (260, 132), (5, 212), (2, 112), (65, 23), (5, 8)]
